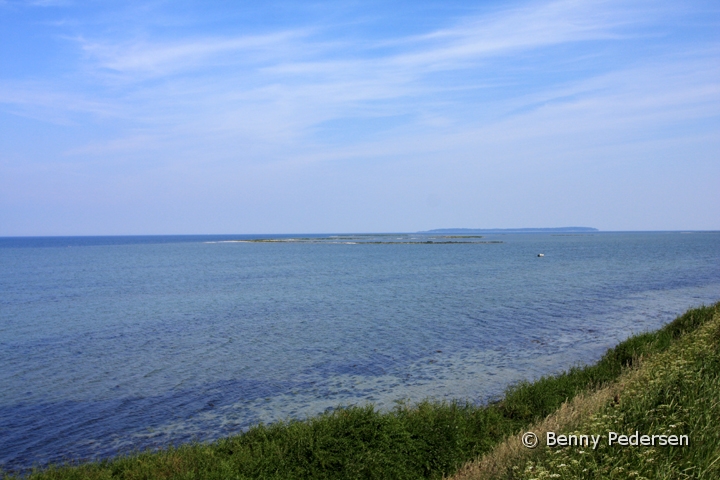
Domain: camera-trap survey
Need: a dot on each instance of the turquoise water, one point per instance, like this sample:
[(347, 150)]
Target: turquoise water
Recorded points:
[(109, 344)]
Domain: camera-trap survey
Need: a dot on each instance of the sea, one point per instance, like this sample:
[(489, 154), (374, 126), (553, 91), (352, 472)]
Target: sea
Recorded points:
[(113, 345)]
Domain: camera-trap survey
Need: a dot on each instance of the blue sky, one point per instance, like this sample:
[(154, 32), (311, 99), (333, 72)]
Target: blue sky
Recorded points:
[(272, 117)]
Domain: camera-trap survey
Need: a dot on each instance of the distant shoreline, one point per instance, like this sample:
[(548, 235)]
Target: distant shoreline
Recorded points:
[(514, 230)]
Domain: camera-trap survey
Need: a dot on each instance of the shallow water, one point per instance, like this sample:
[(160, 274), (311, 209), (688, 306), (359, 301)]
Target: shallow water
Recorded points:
[(117, 343)]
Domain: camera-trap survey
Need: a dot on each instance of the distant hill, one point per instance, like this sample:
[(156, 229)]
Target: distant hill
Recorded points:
[(514, 230)]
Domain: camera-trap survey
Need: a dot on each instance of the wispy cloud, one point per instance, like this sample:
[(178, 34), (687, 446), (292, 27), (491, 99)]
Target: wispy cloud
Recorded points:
[(291, 60), (46, 101), (301, 52), (164, 58)]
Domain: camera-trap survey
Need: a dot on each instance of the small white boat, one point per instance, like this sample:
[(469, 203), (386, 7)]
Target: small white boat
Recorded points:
[(541, 254)]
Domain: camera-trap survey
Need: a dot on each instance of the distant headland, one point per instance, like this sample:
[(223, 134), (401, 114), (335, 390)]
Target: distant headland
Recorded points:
[(514, 230)]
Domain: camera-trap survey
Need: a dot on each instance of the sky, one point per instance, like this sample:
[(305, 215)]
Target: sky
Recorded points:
[(213, 117)]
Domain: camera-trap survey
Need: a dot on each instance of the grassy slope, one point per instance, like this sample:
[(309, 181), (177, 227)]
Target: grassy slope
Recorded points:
[(676, 392), (428, 440)]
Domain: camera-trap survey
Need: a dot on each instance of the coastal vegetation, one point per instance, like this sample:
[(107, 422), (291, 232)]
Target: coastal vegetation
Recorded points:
[(663, 382), (673, 393)]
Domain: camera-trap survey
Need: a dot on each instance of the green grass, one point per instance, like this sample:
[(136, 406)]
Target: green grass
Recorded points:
[(676, 392), (427, 440)]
